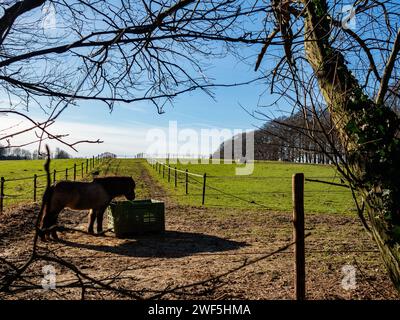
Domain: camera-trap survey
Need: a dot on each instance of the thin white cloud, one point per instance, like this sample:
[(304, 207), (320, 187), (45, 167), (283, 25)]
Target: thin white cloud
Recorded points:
[(123, 140), (117, 139)]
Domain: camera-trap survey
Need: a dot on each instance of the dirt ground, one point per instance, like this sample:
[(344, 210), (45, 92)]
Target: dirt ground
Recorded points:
[(199, 244)]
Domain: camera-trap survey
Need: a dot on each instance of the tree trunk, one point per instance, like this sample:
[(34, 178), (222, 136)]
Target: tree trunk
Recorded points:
[(368, 131)]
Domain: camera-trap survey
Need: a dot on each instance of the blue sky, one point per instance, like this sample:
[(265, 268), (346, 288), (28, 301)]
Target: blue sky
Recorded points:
[(194, 110), (124, 129)]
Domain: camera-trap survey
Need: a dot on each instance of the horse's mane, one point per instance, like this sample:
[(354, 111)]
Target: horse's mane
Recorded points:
[(115, 185)]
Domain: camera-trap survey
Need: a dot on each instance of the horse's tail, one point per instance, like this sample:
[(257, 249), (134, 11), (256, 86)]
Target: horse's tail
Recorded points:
[(48, 191), (47, 167)]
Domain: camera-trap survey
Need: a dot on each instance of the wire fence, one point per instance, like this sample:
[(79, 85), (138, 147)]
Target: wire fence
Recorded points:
[(75, 172), (205, 186)]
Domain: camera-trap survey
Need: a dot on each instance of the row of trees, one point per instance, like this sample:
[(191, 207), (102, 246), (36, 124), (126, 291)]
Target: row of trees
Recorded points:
[(14, 154), (23, 154), (287, 139)]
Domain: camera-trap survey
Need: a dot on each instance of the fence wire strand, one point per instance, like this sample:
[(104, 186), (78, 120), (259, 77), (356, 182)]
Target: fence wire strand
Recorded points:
[(90, 165)]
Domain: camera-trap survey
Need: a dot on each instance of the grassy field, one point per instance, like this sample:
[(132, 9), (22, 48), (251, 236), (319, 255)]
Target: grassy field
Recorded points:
[(23, 170), (21, 190), (269, 186)]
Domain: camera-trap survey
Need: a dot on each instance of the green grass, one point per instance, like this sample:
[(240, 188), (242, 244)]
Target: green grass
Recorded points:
[(22, 190), (269, 186)]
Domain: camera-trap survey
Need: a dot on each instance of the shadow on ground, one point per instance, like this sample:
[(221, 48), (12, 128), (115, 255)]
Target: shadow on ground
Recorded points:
[(170, 244)]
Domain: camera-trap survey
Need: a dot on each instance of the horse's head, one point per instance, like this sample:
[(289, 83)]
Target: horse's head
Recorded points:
[(117, 186), (130, 194)]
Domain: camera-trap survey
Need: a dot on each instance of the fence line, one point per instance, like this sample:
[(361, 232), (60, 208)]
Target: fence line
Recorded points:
[(158, 163), (90, 164), (298, 219), (202, 184), (298, 227), (190, 179), (263, 177), (188, 175)]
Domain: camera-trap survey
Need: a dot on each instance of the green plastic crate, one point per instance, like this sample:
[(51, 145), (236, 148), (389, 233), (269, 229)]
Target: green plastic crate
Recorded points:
[(129, 218)]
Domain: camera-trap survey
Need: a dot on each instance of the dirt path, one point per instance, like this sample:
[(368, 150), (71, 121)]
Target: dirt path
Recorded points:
[(200, 243)]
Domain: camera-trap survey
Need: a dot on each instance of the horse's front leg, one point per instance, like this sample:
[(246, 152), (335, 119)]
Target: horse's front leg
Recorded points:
[(54, 234), (92, 218), (100, 215)]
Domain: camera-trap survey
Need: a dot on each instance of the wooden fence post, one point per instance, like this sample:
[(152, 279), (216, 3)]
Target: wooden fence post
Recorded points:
[(186, 181), (82, 170), (74, 171), (169, 173), (66, 173), (87, 161), (2, 194), (34, 186), (54, 175), (298, 235), (204, 189), (163, 171), (159, 168), (176, 178)]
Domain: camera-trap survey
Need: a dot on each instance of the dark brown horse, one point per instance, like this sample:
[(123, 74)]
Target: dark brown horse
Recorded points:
[(95, 196)]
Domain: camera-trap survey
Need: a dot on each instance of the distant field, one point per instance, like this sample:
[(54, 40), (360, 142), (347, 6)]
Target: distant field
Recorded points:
[(22, 190), (268, 186)]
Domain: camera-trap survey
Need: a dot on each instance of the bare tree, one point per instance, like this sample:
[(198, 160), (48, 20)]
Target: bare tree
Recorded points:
[(54, 53), (61, 154), (344, 77), (343, 80)]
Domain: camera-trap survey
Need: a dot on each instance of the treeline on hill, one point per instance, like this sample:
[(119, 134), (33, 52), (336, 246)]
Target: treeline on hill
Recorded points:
[(287, 139), (23, 154), (295, 138)]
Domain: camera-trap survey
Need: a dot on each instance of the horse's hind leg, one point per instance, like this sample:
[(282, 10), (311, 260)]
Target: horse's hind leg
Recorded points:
[(92, 218)]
